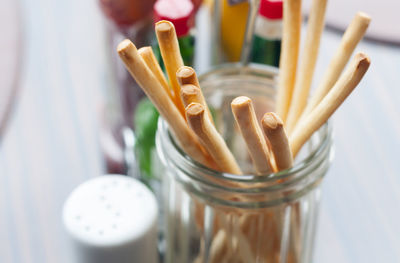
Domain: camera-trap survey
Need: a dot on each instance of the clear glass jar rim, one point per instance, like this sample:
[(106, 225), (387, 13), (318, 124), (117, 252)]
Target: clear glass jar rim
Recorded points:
[(298, 168)]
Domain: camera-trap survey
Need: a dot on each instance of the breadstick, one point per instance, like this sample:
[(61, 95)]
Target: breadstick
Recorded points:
[(243, 110), (289, 55), (219, 248), (187, 75), (354, 33), (191, 93), (335, 97), (307, 62), (156, 93), (148, 56), (277, 140), (211, 139), (171, 55)]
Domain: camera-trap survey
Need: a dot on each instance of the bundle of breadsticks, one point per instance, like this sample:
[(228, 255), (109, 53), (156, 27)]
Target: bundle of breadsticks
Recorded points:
[(272, 142)]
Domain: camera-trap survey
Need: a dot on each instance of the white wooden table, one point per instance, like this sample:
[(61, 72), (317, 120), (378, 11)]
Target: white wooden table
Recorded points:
[(52, 142)]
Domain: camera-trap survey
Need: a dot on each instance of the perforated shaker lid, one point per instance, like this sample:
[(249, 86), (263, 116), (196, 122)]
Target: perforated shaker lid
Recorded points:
[(112, 217)]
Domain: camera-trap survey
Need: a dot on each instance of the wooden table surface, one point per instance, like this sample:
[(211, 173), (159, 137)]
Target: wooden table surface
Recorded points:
[(52, 142)]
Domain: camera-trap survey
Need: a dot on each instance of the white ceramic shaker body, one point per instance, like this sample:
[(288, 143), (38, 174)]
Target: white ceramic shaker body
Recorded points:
[(112, 219)]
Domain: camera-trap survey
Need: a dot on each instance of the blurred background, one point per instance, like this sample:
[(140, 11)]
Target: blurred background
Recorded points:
[(67, 113)]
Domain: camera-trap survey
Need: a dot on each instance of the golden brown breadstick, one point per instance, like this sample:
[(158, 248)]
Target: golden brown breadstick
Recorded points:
[(156, 93), (211, 139), (321, 113), (354, 33), (219, 248), (191, 93), (243, 110), (277, 140), (187, 75), (148, 56), (307, 62), (171, 55), (289, 55)]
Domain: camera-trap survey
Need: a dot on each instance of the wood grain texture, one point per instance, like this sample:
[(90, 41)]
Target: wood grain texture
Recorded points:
[(52, 145)]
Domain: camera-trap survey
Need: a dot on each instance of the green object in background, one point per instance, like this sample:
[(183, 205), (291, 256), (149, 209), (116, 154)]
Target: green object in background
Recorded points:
[(266, 48), (145, 120), (186, 46), (146, 115), (266, 51)]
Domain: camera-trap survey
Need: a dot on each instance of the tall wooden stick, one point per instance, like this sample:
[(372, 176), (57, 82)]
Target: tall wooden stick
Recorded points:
[(353, 35), (211, 139), (156, 93), (191, 93), (171, 55), (187, 75), (243, 110), (335, 97), (289, 55), (277, 141), (307, 62), (148, 56)]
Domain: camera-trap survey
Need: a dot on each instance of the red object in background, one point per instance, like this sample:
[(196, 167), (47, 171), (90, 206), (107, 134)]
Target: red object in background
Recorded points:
[(179, 12), (196, 4), (271, 9), (127, 12)]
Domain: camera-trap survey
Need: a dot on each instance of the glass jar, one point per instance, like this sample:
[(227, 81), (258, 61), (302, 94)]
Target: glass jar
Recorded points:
[(218, 217)]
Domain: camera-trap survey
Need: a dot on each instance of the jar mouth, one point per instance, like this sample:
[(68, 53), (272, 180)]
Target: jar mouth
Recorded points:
[(279, 179)]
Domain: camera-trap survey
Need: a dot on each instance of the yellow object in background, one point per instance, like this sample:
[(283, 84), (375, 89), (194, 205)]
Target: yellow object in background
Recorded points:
[(233, 27), (208, 3)]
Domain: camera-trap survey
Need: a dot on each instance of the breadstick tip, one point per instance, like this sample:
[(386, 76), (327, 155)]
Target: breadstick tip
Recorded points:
[(187, 75), (144, 50), (194, 110), (125, 46), (185, 72), (164, 26), (271, 120), (362, 59), (364, 16), (189, 89), (188, 93), (241, 101)]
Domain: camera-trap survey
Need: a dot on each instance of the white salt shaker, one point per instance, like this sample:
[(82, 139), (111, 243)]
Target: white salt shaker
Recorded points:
[(112, 219)]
